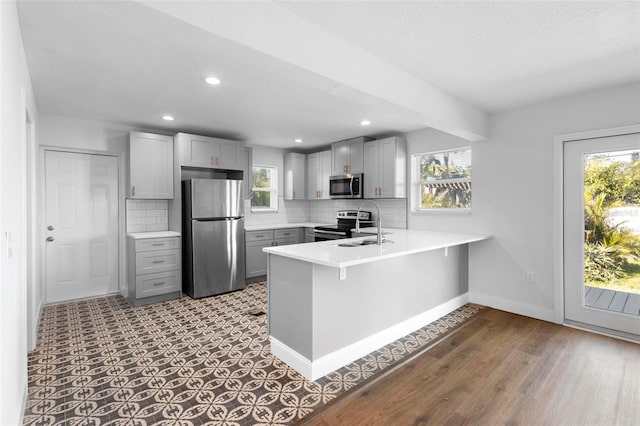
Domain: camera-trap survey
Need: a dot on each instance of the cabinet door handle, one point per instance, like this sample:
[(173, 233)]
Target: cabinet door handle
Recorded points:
[(157, 244), (158, 283), (259, 235), (133, 190), (158, 261)]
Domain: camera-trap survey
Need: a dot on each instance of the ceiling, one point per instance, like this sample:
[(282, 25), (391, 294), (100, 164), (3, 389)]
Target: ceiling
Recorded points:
[(314, 69)]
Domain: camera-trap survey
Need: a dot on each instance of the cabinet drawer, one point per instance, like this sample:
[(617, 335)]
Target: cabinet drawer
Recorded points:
[(285, 241), (149, 244), (149, 262), (258, 235), (155, 284), (286, 233)]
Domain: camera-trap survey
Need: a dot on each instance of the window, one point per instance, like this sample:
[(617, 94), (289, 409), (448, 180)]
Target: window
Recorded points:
[(442, 180), (264, 188)]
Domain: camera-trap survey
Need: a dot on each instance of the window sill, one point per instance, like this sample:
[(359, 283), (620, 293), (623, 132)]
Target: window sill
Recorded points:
[(264, 210)]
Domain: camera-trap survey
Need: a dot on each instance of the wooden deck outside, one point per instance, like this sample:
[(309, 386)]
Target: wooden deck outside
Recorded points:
[(615, 301)]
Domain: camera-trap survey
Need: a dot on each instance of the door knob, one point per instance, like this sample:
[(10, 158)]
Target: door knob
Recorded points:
[(49, 239), (50, 228)]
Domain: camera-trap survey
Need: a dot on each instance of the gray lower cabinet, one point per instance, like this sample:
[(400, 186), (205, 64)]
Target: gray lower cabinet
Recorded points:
[(309, 235), (255, 241), (154, 269)]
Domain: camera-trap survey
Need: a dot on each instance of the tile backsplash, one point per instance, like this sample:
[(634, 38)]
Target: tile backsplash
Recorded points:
[(288, 212), (147, 215), (394, 212), (152, 215)]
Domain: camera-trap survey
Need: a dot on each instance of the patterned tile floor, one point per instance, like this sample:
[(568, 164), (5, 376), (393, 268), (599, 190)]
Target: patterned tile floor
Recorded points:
[(183, 362)]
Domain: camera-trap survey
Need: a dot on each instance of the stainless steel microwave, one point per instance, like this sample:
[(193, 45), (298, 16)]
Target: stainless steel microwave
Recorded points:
[(346, 186)]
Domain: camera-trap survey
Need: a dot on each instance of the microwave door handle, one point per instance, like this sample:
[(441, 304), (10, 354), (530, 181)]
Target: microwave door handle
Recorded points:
[(351, 185)]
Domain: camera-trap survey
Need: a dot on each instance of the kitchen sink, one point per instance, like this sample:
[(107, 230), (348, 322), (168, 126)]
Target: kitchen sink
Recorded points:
[(362, 243)]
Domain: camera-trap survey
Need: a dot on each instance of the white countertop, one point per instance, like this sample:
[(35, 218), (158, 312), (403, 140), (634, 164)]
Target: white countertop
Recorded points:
[(283, 225), (155, 234), (401, 242)]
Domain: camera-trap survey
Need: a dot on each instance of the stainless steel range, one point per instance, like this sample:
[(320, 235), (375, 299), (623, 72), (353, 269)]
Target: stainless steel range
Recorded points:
[(346, 222)]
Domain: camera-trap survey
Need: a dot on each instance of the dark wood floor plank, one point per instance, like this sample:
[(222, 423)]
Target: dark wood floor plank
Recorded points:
[(505, 369)]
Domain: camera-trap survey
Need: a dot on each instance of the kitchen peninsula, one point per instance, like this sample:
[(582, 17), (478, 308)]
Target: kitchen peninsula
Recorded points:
[(331, 303)]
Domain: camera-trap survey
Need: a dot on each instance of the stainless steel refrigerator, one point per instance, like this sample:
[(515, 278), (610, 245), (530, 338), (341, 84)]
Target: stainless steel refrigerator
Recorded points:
[(213, 235)]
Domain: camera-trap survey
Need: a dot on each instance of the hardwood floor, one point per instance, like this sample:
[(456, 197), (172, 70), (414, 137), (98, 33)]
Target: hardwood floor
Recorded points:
[(502, 369)]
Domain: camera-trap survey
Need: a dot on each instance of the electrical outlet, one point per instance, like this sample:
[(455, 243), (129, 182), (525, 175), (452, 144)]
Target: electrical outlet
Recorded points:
[(531, 277)]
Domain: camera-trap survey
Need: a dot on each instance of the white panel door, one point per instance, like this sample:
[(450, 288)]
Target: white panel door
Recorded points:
[(82, 225), (613, 308)]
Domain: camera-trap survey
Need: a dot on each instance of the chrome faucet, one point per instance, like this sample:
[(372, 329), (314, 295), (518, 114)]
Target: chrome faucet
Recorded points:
[(380, 235)]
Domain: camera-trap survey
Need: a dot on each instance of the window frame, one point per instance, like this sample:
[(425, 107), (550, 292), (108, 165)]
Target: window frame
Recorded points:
[(272, 189), (416, 183)]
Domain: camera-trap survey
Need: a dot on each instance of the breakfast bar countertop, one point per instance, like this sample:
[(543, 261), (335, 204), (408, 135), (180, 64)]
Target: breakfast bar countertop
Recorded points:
[(282, 226), (399, 242)]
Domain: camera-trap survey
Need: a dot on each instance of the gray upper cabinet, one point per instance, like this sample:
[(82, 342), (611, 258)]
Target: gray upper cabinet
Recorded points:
[(294, 176), (348, 155), (212, 153), (318, 173), (150, 170), (385, 166)]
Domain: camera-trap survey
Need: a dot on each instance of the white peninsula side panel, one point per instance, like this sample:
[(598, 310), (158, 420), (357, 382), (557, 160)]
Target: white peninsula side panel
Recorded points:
[(319, 322)]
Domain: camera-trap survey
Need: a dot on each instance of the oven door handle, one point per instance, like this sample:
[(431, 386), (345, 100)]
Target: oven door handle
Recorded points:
[(317, 231)]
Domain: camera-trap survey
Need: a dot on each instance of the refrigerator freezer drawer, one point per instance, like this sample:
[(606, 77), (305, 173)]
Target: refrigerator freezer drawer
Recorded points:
[(216, 256)]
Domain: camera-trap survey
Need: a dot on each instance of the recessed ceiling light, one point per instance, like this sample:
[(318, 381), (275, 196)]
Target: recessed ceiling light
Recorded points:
[(365, 122), (214, 81), (298, 141), (167, 117)]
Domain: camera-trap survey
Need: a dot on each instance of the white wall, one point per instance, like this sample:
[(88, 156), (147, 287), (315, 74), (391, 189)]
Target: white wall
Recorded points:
[(513, 194), (16, 98), (73, 133)]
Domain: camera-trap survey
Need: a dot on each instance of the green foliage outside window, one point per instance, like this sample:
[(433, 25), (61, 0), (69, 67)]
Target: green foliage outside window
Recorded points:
[(264, 180), (612, 252), (444, 179)]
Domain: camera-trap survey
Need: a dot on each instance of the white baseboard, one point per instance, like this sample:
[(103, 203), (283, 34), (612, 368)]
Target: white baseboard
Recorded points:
[(513, 307), (313, 370)]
